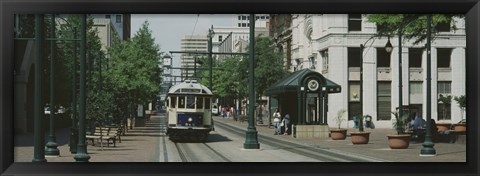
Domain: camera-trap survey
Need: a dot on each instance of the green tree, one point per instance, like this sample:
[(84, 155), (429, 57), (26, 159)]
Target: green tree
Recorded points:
[(412, 26), (230, 78), (95, 61), (134, 72)]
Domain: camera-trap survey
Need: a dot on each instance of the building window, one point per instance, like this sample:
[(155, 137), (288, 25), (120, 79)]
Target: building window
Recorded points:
[(107, 16), (119, 19), (353, 57), (444, 56), (239, 17), (257, 17), (416, 87), (353, 99), (324, 55), (244, 24), (244, 17), (383, 58), (354, 22), (444, 89), (384, 100), (239, 24), (443, 26), (220, 38), (444, 107), (415, 57), (416, 92)]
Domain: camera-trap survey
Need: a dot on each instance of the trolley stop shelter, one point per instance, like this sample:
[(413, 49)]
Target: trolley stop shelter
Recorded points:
[(304, 96)]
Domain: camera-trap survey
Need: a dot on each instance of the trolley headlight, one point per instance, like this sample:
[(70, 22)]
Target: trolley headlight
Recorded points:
[(190, 120)]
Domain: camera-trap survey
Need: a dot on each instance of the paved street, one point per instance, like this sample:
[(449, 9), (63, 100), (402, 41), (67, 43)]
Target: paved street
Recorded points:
[(146, 144)]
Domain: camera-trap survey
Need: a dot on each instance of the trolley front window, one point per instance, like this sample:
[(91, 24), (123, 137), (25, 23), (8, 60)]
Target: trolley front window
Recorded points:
[(173, 101), (207, 103), (191, 102), (181, 101), (199, 102)]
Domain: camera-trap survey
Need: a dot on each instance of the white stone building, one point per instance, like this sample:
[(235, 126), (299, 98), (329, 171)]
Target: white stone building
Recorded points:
[(330, 44)]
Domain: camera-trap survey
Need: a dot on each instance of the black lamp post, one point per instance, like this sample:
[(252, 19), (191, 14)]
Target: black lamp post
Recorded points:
[(51, 146), (388, 48), (81, 155), (251, 140), (74, 128), (428, 149), (38, 140)]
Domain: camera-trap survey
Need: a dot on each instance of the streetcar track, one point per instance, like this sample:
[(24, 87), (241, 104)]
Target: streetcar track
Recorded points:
[(181, 153), (163, 128), (304, 150), (217, 153)]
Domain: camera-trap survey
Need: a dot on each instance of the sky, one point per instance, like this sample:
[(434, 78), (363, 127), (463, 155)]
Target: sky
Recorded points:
[(168, 29)]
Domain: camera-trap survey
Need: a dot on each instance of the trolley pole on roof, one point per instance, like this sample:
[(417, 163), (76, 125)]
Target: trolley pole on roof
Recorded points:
[(251, 139)]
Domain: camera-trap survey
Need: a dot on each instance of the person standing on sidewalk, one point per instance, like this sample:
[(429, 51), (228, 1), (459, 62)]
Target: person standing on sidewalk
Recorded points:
[(286, 122), (276, 121)]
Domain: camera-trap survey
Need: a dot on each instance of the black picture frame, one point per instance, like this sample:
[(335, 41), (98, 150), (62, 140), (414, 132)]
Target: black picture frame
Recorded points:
[(471, 9)]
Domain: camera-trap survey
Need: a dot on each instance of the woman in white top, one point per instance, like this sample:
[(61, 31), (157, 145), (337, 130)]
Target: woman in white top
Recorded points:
[(276, 121)]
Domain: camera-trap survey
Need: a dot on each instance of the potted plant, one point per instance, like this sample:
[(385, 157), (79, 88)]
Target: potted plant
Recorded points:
[(462, 103), (339, 133), (401, 140), (360, 137)]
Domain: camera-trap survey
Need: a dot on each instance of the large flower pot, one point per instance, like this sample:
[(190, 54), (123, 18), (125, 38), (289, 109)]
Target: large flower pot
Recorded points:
[(443, 126), (399, 141), (460, 127), (338, 134), (360, 137)]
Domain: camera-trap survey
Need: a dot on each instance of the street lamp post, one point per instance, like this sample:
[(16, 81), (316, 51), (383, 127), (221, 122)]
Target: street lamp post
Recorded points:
[(251, 140), (81, 155), (38, 140), (428, 149), (51, 146), (388, 48), (74, 128)]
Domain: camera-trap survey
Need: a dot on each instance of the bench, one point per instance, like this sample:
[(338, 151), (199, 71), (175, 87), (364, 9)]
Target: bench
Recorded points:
[(103, 134)]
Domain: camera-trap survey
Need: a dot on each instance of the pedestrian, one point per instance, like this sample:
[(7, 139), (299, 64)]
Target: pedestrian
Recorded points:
[(418, 123), (228, 111), (355, 121), (286, 123), (224, 113), (276, 121)]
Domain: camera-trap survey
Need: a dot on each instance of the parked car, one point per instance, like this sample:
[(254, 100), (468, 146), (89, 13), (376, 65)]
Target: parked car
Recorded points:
[(215, 110)]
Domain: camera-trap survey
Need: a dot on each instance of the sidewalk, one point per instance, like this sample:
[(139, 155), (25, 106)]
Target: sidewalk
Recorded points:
[(138, 145), (377, 146)]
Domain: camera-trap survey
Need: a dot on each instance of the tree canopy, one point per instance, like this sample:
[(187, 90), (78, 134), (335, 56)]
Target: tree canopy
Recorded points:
[(230, 75), (412, 26)]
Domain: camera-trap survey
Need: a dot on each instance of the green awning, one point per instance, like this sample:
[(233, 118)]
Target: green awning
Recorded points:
[(293, 82)]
